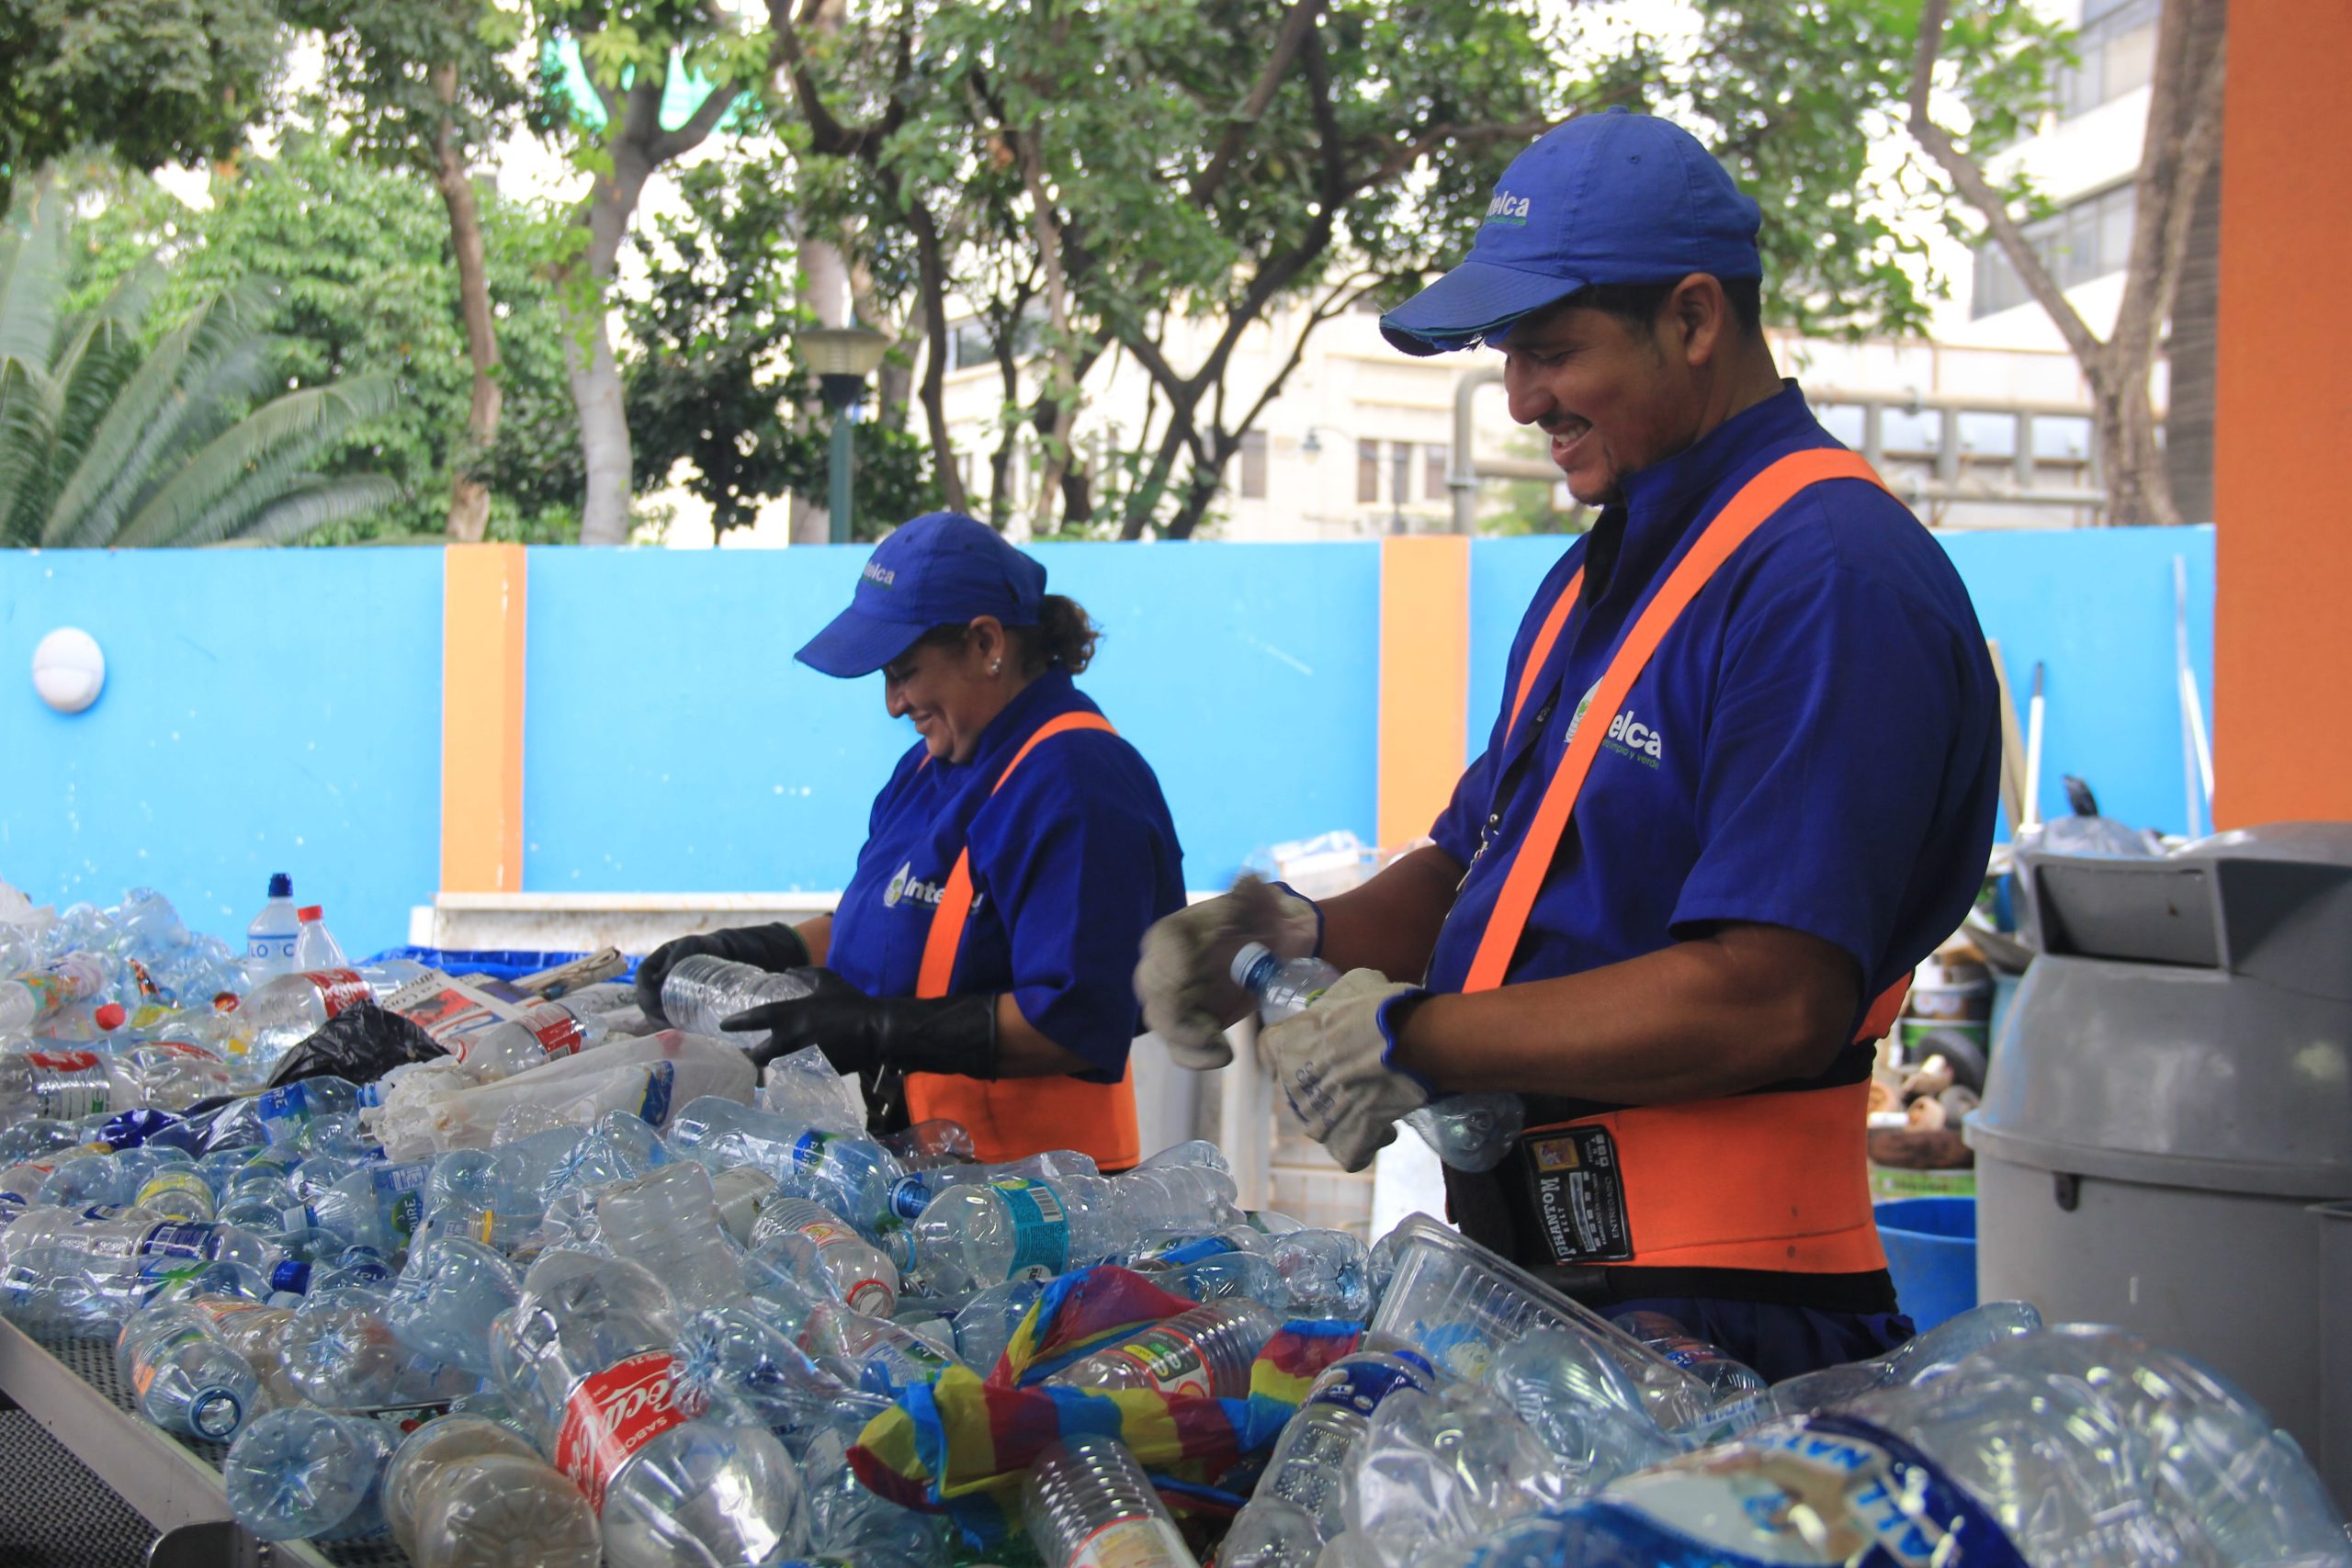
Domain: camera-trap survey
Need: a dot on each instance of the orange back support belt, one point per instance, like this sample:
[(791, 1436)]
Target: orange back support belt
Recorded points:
[(1012, 1118), (1777, 1181)]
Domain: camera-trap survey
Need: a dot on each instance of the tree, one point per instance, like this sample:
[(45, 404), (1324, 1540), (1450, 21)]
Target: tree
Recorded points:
[(712, 381), (426, 89), (359, 255), (2183, 143), (107, 440), (629, 49), (1161, 173), (157, 81)]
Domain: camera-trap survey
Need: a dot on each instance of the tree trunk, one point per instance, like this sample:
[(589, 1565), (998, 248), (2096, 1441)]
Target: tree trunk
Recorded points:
[(932, 265), (604, 447), (468, 497)]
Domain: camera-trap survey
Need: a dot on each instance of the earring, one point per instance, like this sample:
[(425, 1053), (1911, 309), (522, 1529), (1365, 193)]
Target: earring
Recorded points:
[(996, 666)]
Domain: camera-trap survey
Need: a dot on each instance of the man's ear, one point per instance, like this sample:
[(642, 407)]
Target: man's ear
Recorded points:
[(1701, 318)]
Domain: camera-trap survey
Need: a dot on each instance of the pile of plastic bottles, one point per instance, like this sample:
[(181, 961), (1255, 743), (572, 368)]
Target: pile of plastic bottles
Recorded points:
[(579, 1291)]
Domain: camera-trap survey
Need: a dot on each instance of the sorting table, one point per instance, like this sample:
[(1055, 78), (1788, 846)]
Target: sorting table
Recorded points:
[(70, 1387)]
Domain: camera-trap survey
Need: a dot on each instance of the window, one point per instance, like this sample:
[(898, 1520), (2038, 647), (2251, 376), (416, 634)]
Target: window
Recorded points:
[(1253, 466), (1367, 472), (972, 340), (2117, 49), (2087, 239), (1434, 486)]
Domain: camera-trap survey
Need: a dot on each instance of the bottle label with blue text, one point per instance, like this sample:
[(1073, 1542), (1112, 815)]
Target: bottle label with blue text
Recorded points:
[(1806, 1493), (1040, 1227)]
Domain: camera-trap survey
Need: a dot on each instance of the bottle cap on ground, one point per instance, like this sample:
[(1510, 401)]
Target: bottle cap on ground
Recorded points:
[(310, 912), (280, 884)]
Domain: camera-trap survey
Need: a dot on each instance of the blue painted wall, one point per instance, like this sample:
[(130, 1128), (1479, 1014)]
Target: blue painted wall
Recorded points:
[(672, 744), (2095, 605), (265, 710), (281, 709)]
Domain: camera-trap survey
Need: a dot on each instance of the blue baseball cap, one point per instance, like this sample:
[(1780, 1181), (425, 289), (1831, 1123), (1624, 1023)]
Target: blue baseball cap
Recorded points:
[(942, 569), (1613, 197)]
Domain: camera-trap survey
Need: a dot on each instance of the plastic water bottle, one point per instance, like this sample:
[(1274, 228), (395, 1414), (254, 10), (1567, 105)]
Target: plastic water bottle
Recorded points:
[(668, 1221), (36, 995), (287, 1010), (443, 1303), (916, 1190), (813, 1245), (1088, 1502), (61, 1084), (586, 1361), (463, 1492), (184, 1378), (547, 1033), (986, 1323), (1011, 1228), (1201, 1351), (2068, 1448), (1723, 1377), (701, 992), (376, 1206), (315, 946), (1469, 1132), (742, 1194), (269, 939), (747, 1354), (1296, 1507), (170, 1074), (927, 1145), (341, 1354), (1925, 1356), (307, 1474), (804, 1088)]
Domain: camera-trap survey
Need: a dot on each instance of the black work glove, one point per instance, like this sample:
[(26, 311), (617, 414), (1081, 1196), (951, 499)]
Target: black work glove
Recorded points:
[(876, 1036), (774, 948)]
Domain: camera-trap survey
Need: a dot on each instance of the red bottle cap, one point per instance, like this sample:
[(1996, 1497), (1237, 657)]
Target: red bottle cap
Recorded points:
[(110, 1016), (310, 912)]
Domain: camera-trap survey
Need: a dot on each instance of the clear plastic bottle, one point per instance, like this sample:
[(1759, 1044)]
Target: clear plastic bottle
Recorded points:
[(315, 946), (547, 1033), (586, 1361), (184, 1378), (927, 1145), (701, 992), (376, 1206), (1205, 1349), (463, 1492), (1088, 1505), (61, 1083), (916, 1190), (1296, 1507), (444, 1301), (269, 939), (309, 1475), (36, 995), (822, 1252), (2075, 1447), (887, 1358), (171, 1074), (1014, 1227), (278, 1016), (177, 1192), (1469, 1132), (668, 1221), (742, 1194), (340, 1354)]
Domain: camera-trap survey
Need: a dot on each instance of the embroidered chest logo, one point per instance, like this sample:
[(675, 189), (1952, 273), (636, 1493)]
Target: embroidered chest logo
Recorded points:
[(1629, 737)]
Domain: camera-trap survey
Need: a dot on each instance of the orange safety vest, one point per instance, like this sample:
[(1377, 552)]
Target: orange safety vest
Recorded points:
[(1761, 1181), (1012, 1118)]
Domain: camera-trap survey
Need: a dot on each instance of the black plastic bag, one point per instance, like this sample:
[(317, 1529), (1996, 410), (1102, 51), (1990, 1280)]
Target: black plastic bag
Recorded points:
[(361, 1043)]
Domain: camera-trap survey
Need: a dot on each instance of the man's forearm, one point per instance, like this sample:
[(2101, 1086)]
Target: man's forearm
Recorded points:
[(819, 934), (1748, 1006), (1392, 921)]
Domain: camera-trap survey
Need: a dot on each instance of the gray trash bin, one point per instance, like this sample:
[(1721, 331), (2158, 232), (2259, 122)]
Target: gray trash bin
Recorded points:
[(2170, 1096)]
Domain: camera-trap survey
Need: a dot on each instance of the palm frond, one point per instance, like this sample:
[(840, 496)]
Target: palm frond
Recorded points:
[(144, 421), (316, 502), (32, 274), (280, 437)]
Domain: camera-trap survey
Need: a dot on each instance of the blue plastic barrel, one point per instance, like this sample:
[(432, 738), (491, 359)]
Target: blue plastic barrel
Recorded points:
[(1931, 1251)]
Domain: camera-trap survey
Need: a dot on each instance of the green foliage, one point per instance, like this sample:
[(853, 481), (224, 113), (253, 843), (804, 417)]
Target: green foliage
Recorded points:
[(712, 382), (158, 81), (365, 284), (114, 434)]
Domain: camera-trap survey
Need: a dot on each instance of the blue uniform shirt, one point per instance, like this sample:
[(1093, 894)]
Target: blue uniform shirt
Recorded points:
[(1071, 859), (1813, 744)]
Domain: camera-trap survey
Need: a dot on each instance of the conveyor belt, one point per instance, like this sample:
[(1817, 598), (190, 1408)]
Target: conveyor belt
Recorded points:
[(125, 1466)]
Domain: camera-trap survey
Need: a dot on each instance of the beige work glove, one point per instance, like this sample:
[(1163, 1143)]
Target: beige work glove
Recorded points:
[(1332, 1063), (1184, 978)]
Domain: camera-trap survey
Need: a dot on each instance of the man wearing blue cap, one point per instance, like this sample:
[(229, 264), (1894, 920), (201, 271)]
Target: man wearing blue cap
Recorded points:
[(977, 968), (1742, 782)]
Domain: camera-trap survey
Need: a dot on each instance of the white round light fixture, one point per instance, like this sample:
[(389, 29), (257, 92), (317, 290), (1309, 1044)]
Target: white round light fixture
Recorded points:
[(69, 669)]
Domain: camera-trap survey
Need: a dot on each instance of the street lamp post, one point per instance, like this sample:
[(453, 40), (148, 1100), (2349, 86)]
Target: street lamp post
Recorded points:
[(842, 358)]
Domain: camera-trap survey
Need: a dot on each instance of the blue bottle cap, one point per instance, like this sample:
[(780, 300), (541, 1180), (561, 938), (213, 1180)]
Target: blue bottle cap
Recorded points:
[(280, 884)]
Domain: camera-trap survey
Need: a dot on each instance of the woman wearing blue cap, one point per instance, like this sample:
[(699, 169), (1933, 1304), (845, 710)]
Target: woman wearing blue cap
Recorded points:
[(982, 949)]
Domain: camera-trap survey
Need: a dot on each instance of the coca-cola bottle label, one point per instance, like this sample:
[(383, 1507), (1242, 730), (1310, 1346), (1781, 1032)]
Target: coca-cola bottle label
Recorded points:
[(560, 1036), (339, 988), (612, 1414)]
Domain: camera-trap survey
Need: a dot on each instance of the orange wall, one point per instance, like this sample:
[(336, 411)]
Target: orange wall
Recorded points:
[(483, 612), (2282, 463), (1424, 678)]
